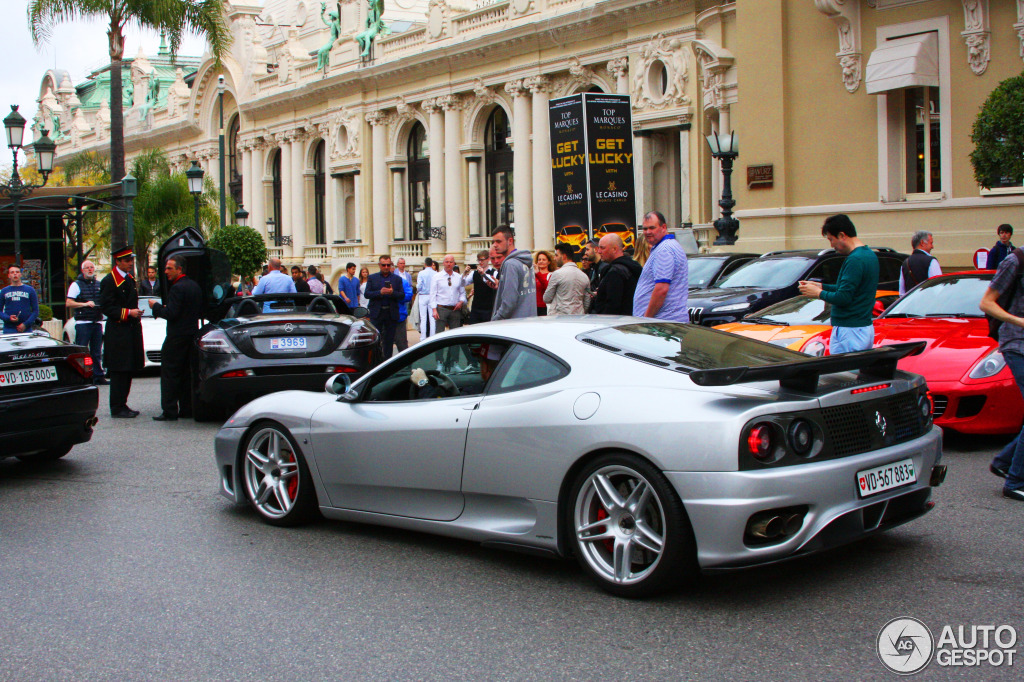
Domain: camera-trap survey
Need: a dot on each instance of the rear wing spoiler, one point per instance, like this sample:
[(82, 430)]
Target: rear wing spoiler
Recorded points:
[(803, 375)]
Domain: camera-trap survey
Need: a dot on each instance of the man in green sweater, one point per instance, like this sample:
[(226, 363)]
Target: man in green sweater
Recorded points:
[(853, 295)]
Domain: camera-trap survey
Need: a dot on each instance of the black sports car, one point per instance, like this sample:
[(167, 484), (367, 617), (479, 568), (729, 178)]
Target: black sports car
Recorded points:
[(278, 342), (47, 400)]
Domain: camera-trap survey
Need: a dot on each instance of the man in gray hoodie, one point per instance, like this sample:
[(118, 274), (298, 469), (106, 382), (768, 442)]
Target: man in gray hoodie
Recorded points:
[(517, 284)]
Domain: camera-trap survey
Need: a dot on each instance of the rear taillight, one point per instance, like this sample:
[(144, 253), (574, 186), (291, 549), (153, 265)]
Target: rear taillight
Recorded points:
[(82, 364), (215, 341), (760, 442), (360, 334)]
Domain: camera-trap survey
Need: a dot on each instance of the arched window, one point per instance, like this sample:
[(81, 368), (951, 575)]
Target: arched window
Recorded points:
[(275, 173), (234, 173), (320, 193), (419, 182), (498, 168), (595, 88)]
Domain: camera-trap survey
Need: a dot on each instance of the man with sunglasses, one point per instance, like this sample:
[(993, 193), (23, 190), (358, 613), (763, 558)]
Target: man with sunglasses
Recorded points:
[(447, 296), (386, 294)]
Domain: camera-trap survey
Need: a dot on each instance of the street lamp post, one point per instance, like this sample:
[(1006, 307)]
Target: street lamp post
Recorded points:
[(15, 189), (221, 86), (241, 216), (418, 214), (271, 232), (725, 148), (195, 185)]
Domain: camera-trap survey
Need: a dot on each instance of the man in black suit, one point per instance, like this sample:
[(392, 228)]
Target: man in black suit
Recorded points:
[(385, 292), (151, 285), (122, 339), (183, 309)]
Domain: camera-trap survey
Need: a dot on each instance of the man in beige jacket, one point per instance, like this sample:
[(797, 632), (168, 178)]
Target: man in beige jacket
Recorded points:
[(567, 286)]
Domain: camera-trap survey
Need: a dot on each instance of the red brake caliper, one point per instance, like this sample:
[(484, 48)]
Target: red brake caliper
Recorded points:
[(293, 484)]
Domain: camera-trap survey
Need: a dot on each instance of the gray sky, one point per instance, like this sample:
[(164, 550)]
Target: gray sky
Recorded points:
[(77, 48)]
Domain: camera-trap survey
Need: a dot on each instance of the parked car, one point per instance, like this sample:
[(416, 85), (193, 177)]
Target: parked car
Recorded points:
[(774, 277), (801, 323), (707, 269), (970, 384), (277, 342), (47, 400), (153, 332), (691, 449)]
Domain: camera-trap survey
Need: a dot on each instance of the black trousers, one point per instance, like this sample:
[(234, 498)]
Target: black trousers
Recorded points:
[(386, 326), (120, 387), (176, 376)]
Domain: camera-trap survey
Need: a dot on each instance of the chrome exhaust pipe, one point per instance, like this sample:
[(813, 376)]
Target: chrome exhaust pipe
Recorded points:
[(767, 527), (794, 522), (938, 475), (91, 422)]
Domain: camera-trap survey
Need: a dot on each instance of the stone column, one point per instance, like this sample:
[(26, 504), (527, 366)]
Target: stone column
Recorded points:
[(474, 195), (684, 169), (435, 138), (378, 121), (330, 191), (284, 221), (357, 192), (641, 152), (398, 202), (543, 199), (257, 196), (454, 223), (619, 68), (522, 161), (298, 188), (342, 232)]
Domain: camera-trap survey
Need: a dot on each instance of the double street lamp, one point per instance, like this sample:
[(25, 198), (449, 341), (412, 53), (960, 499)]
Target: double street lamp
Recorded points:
[(195, 185), (725, 148), (16, 189)]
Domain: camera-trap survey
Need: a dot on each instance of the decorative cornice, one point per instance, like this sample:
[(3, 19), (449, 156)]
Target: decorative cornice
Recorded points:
[(976, 34), (846, 16)]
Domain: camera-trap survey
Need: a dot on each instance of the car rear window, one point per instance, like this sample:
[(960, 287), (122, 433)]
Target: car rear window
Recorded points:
[(702, 270), (765, 273), (686, 347)]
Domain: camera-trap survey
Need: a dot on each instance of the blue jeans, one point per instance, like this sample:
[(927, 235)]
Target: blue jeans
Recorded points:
[(90, 335), (850, 339), (1012, 456)]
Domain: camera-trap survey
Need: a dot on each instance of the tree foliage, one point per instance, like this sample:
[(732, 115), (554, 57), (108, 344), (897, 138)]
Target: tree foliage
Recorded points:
[(244, 247), (998, 135)]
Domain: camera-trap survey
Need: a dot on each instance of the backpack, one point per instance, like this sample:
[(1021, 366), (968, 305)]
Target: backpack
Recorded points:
[(1006, 298)]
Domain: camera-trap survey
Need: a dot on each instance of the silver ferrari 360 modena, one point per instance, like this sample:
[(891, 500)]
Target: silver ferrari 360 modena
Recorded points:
[(651, 451)]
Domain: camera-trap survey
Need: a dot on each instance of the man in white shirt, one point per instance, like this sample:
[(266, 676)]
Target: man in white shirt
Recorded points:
[(422, 295), (447, 296), (567, 286)]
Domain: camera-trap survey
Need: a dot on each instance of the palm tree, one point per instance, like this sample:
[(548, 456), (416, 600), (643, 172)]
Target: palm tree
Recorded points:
[(176, 17)]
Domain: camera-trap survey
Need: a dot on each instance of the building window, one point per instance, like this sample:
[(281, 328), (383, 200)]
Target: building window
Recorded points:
[(275, 174), (319, 193), (418, 161), (921, 129), (498, 170), (234, 176)]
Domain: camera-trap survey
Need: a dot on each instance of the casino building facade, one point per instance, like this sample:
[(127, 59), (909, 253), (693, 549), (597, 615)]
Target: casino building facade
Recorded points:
[(441, 133)]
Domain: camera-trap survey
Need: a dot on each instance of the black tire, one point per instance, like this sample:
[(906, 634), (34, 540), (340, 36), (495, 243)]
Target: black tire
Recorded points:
[(658, 541), (278, 485), (47, 455), (203, 411)]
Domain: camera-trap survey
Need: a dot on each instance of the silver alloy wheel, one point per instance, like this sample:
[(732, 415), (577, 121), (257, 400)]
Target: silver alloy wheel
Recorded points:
[(271, 473), (620, 524)]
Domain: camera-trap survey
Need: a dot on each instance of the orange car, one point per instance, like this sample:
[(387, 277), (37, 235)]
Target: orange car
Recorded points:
[(573, 235), (797, 323), (624, 231)]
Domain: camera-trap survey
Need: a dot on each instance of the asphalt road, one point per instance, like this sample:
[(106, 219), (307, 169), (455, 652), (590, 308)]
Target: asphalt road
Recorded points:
[(121, 562)]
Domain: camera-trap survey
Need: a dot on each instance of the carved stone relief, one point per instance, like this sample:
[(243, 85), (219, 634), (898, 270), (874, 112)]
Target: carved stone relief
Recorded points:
[(485, 95), (438, 18), (661, 75), (976, 34), (846, 16), (580, 75), (714, 62)]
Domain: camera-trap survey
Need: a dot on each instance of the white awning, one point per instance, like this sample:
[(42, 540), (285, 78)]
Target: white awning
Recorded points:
[(904, 63)]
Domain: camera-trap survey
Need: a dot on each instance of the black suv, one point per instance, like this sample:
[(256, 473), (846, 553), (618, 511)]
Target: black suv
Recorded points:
[(773, 277), (707, 269)]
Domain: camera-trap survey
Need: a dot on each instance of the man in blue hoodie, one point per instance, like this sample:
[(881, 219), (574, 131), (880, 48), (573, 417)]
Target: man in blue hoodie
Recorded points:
[(19, 304), (517, 284)]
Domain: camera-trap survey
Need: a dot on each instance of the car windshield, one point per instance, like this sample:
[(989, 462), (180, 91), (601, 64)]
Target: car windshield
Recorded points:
[(687, 347), (765, 273), (702, 271), (796, 310), (287, 304), (943, 297)]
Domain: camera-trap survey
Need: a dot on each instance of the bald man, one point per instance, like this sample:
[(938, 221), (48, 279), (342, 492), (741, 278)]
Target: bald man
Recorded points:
[(274, 282), (83, 300), (618, 284)]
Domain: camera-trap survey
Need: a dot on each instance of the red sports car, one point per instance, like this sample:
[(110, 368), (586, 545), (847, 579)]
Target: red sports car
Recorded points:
[(972, 389)]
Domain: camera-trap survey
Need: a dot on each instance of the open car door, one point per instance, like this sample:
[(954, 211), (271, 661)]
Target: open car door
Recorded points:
[(208, 267)]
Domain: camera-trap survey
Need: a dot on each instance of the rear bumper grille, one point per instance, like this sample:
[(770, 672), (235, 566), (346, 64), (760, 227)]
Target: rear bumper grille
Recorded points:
[(873, 424)]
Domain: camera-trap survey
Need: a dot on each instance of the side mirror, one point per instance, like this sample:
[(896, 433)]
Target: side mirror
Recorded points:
[(878, 309), (360, 312), (339, 384)]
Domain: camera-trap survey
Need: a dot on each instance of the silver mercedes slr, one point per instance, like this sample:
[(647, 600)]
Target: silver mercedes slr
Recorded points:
[(651, 451)]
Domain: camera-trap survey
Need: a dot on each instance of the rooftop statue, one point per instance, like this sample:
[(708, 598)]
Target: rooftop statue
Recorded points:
[(374, 27), (333, 22)]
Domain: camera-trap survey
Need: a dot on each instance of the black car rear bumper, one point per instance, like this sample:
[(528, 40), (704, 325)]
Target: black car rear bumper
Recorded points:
[(229, 390), (47, 421)]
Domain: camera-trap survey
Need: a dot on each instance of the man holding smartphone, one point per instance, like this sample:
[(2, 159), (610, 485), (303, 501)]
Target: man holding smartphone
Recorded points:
[(482, 277)]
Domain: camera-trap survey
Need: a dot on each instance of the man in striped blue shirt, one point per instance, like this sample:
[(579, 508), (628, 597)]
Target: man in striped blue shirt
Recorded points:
[(662, 290)]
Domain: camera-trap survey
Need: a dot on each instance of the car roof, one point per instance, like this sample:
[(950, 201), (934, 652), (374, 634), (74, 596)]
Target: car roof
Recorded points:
[(537, 329), (725, 255)]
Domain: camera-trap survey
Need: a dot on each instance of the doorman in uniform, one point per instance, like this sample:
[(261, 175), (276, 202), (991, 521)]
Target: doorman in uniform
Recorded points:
[(122, 340)]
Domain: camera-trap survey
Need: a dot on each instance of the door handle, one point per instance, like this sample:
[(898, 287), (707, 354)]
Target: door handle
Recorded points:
[(472, 407)]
